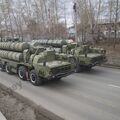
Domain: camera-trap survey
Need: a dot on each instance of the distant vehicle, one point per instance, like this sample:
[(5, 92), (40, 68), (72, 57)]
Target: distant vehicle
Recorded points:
[(10, 40), (34, 63), (85, 57)]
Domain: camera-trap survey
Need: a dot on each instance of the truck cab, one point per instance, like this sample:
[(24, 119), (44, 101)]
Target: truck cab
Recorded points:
[(36, 64), (85, 57)]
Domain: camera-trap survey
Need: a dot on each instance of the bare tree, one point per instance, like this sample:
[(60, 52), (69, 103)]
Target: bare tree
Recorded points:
[(116, 22), (36, 18)]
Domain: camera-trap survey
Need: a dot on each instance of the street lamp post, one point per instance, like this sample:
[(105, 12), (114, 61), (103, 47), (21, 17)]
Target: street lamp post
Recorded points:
[(75, 21)]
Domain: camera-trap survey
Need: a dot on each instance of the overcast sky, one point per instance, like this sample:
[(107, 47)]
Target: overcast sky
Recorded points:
[(69, 11)]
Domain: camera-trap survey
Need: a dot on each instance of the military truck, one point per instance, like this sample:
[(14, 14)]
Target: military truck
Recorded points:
[(9, 39), (32, 63), (85, 57)]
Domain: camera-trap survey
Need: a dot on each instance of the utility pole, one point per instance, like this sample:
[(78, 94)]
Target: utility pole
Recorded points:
[(116, 21), (110, 18), (49, 23), (65, 17), (75, 21)]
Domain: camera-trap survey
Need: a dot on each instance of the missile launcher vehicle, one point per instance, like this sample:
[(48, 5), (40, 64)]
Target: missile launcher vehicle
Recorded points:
[(85, 57), (35, 64), (10, 39)]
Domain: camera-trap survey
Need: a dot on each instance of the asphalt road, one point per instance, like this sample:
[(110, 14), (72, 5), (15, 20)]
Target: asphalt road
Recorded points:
[(91, 95)]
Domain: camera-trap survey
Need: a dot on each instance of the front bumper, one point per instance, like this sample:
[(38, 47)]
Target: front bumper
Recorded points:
[(60, 75), (98, 62), (93, 63)]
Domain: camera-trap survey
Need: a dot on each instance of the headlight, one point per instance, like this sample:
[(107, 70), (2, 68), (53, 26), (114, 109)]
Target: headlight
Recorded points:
[(103, 51)]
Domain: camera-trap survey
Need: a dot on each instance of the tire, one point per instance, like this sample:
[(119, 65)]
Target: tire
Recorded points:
[(75, 65), (57, 79), (35, 79), (2, 67), (77, 69), (88, 68), (22, 73), (73, 62), (8, 68)]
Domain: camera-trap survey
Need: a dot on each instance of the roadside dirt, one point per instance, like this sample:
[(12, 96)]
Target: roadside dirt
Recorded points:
[(13, 109), (113, 55)]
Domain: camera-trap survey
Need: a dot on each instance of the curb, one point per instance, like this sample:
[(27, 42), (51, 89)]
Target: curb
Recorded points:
[(111, 66), (38, 109)]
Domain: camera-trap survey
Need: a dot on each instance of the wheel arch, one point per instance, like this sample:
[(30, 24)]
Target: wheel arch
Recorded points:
[(29, 68)]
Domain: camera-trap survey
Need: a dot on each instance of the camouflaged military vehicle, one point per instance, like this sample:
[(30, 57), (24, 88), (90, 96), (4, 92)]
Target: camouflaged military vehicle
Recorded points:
[(32, 63), (8, 39), (85, 57)]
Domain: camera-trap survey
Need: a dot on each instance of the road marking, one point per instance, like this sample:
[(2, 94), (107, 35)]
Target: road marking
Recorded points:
[(115, 86), (2, 117)]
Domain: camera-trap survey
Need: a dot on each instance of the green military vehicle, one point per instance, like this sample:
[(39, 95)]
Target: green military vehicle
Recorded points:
[(32, 63), (9, 39), (85, 57)]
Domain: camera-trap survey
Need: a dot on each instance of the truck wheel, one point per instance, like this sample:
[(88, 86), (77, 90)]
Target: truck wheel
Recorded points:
[(78, 69), (22, 72), (58, 79), (2, 67), (8, 68), (88, 68), (75, 65), (73, 62), (35, 79)]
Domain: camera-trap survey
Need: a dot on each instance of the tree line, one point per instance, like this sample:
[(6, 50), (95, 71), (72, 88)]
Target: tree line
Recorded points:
[(48, 18)]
